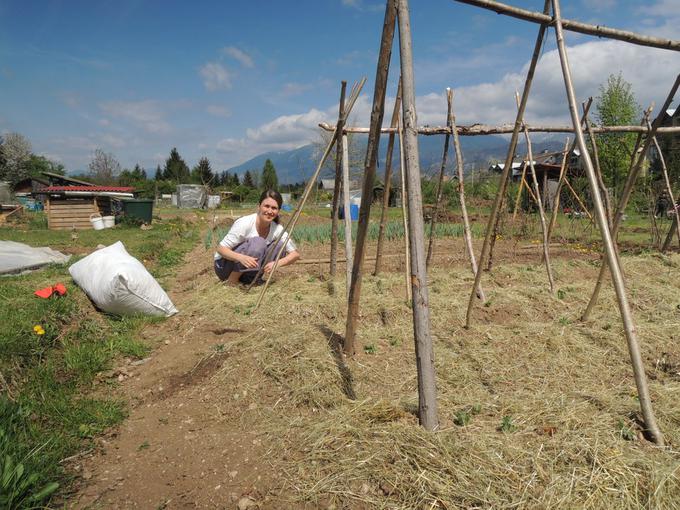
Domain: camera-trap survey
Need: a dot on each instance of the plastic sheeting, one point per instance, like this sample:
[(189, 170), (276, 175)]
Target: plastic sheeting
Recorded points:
[(191, 196), (17, 257)]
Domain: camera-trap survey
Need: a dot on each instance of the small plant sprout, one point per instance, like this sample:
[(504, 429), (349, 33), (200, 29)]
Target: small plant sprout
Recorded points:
[(461, 418), (370, 349), (507, 425)]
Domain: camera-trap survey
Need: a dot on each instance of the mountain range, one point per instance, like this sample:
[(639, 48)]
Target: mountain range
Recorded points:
[(298, 165)]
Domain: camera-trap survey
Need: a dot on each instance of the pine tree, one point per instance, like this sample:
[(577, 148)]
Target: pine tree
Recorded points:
[(248, 180), (159, 174), (269, 178), (202, 173), (176, 169)]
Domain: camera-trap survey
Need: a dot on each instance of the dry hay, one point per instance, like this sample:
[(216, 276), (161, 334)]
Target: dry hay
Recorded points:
[(537, 410)]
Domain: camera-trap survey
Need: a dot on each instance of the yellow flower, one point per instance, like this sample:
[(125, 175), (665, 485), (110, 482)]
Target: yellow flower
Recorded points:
[(38, 329)]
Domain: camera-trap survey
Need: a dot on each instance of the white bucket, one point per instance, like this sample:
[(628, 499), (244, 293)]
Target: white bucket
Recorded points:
[(109, 221), (97, 221)]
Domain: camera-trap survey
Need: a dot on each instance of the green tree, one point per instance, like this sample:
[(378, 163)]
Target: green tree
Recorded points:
[(248, 180), (616, 106), (269, 178), (159, 174), (176, 169), (202, 173), (138, 174), (39, 164)]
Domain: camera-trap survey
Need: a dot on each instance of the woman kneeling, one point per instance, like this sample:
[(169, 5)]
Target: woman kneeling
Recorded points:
[(243, 251)]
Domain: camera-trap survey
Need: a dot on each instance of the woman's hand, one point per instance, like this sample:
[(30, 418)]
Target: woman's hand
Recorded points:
[(269, 266), (248, 262)]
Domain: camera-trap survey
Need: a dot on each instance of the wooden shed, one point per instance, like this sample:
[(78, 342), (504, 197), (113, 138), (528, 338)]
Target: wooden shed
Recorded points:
[(70, 207)]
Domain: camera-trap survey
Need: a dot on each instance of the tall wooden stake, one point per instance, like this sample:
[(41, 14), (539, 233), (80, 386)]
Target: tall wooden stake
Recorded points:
[(336, 187), (427, 387), (539, 203), (628, 191), (369, 173), (556, 202), (388, 183), (596, 163), (519, 192), (347, 206), (440, 181), (617, 276), (404, 215), (467, 231), (507, 169)]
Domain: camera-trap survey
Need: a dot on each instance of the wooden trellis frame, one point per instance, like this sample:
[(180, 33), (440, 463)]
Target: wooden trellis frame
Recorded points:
[(398, 10)]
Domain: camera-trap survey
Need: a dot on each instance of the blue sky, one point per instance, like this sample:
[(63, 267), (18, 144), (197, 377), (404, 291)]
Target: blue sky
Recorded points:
[(232, 79)]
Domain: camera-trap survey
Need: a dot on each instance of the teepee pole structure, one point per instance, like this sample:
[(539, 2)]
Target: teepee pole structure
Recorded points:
[(539, 204), (628, 191), (377, 112), (556, 202), (404, 214), (667, 181), (507, 170), (388, 183), (427, 388), (347, 207), (617, 275)]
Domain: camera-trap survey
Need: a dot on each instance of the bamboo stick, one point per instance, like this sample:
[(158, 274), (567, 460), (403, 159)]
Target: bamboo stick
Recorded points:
[(628, 191), (507, 169), (404, 215), (388, 182), (596, 163), (560, 183), (467, 231), (667, 181), (440, 181), (617, 276), (539, 203), (482, 129), (519, 192), (576, 26), (348, 214), (427, 387), (336, 187), (369, 172), (671, 231)]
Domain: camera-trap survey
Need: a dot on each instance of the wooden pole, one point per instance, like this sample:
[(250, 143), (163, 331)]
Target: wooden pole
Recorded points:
[(369, 172), (669, 190), (507, 169), (467, 231), (628, 191), (539, 203), (578, 199), (560, 182), (671, 231), (617, 275), (388, 183), (482, 129), (576, 26), (440, 181), (336, 188), (347, 206), (404, 215), (596, 163), (427, 387), (519, 192)]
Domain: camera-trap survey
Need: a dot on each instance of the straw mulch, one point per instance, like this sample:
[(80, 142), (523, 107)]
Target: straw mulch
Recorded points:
[(537, 409)]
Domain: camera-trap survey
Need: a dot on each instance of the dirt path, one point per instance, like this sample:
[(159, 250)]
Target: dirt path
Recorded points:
[(180, 447)]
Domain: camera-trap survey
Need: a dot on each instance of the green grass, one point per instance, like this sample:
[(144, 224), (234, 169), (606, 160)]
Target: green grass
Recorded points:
[(46, 412)]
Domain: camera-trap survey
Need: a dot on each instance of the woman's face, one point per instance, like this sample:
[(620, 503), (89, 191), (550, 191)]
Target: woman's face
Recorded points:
[(268, 209)]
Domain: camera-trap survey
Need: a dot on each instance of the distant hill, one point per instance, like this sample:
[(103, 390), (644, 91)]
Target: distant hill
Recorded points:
[(478, 151)]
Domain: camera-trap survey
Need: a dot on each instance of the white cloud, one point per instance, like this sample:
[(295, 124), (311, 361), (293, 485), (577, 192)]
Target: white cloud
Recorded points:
[(104, 122), (148, 114), (218, 111), (295, 89), (215, 76), (240, 55), (361, 6)]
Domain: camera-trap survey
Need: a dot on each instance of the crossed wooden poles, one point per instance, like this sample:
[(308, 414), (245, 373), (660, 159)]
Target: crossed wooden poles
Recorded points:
[(397, 12)]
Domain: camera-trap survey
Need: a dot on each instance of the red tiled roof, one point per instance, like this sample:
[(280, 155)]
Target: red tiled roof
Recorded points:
[(94, 189)]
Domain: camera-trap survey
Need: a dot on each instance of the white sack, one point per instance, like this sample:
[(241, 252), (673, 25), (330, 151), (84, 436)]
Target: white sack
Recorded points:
[(118, 283)]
